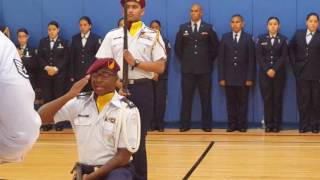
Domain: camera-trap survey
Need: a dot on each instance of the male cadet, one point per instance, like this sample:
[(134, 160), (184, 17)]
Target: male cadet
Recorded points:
[(196, 47), (237, 72), (145, 55), (84, 47), (106, 124), (19, 122)]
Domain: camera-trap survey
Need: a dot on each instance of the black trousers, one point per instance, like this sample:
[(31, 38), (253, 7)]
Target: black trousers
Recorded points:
[(160, 99), (52, 88), (308, 94), (237, 106), (272, 94), (189, 83), (142, 97)]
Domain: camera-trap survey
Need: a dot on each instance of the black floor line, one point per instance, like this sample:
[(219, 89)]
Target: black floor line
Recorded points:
[(197, 163)]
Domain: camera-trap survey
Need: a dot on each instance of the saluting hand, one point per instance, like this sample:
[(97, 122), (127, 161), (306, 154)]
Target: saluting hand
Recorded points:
[(78, 86), (128, 57)]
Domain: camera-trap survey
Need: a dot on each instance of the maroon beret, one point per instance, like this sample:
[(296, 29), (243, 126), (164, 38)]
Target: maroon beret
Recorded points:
[(141, 2), (107, 63)]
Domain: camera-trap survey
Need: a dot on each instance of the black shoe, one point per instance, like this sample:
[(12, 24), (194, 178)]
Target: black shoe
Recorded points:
[(59, 128), (46, 128), (184, 129), (243, 130), (207, 129), (302, 130), (276, 130), (315, 131), (231, 129), (267, 130)]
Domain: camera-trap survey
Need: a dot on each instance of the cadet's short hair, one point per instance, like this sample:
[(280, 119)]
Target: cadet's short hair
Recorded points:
[(273, 18), (237, 15), (155, 21), (54, 23), (86, 18), (24, 30), (312, 14)]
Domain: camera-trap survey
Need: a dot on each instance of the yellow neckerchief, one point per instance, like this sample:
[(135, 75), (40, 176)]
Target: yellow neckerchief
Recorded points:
[(103, 100), (135, 27)]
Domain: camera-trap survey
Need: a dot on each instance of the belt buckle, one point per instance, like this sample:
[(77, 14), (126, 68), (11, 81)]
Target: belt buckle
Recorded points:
[(95, 169), (131, 81)]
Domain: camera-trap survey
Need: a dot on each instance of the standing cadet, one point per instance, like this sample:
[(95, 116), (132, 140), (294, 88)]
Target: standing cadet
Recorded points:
[(106, 125), (305, 57), (145, 55), (160, 85), (28, 56), (196, 47), (237, 72), (19, 121), (272, 53), (84, 47), (53, 58)]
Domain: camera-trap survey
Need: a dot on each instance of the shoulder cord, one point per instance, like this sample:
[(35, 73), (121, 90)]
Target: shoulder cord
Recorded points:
[(121, 130)]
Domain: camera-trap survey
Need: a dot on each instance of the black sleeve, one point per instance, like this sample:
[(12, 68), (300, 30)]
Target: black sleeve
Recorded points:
[(178, 44), (221, 61), (251, 64), (214, 44), (41, 56)]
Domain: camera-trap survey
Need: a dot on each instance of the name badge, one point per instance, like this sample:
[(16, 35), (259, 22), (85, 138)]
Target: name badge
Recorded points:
[(60, 46), (264, 43)]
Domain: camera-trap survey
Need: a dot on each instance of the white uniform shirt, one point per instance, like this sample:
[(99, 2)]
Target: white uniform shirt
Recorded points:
[(19, 122), (96, 132), (146, 45)]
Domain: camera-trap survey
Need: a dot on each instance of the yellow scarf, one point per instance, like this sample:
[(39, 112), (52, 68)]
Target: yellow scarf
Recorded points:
[(135, 27), (103, 100)]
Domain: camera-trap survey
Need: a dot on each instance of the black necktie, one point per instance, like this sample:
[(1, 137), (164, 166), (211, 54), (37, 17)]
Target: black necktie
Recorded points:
[(195, 30), (235, 40)]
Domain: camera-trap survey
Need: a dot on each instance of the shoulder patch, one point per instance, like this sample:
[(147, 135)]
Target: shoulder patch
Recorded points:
[(128, 102), (21, 68)]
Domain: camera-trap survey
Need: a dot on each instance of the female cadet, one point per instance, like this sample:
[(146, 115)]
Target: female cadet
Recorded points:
[(160, 86), (53, 61), (272, 53), (305, 55), (84, 47)]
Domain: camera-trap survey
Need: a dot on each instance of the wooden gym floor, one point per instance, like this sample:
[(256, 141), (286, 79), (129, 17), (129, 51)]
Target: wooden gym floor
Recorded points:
[(192, 155)]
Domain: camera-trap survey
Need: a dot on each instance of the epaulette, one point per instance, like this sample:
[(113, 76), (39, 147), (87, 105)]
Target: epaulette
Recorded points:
[(128, 102), (114, 29), (84, 95)]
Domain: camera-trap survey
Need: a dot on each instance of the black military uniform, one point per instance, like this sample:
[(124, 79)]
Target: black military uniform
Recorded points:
[(305, 59), (236, 66), (83, 56), (29, 60), (197, 49), (272, 53), (160, 94), (53, 87)]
